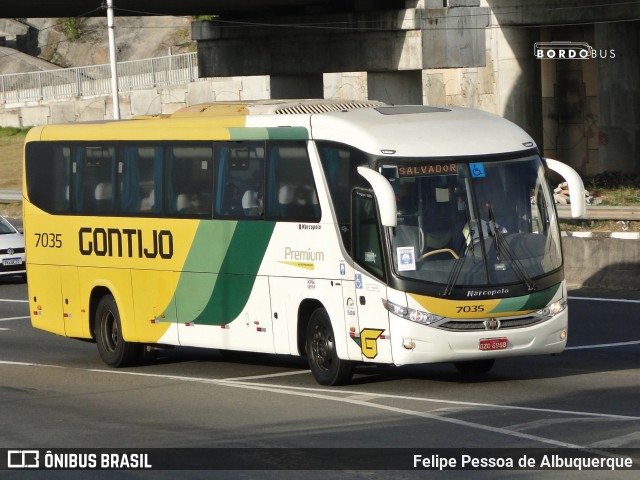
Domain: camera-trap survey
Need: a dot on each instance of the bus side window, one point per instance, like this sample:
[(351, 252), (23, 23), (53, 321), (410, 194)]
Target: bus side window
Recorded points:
[(48, 173), (240, 179), (141, 173), (292, 193), (340, 163), (189, 190), (94, 176)]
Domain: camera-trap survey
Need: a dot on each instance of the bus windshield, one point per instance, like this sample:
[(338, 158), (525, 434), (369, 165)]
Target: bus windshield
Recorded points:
[(473, 223)]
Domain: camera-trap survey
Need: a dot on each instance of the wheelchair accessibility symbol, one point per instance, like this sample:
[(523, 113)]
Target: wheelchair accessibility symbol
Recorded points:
[(477, 170)]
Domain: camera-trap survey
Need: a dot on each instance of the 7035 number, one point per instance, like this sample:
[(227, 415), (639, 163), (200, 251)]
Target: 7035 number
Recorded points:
[(470, 309), (49, 240)]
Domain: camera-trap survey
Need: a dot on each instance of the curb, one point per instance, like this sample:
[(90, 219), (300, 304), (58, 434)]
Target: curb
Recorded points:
[(618, 235)]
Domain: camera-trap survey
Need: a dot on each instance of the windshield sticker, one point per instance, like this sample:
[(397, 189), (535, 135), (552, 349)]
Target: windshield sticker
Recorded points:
[(477, 170), (406, 259), (370, 257)]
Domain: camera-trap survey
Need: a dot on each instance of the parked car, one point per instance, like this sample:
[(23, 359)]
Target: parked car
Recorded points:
[(12, 258)]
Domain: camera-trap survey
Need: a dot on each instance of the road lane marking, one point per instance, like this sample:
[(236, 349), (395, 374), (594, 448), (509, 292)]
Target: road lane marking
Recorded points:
[(13, 301), (328, 394), (609, 416), (270, 375), (621, 300), (603, 345), (14, 318), (622, 441)]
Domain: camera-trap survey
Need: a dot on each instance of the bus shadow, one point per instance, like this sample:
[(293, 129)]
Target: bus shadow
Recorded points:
[(11, 279), (567, 364)]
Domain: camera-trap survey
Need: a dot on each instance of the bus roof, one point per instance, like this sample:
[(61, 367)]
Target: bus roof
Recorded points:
[(373, 127), (419, 131)]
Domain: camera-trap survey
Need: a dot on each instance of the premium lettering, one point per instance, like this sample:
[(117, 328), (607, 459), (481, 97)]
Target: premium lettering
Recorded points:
[(306, 255), (126, 242)]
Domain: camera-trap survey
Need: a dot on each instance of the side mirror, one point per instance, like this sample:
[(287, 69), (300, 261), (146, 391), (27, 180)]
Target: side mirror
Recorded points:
[(576, 187), (384, 193)]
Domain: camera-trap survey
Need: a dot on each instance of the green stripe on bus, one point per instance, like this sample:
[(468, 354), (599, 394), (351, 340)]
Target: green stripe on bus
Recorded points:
[(234, 251), (534, 301), (288, 133), (239, 268), (269, 133)]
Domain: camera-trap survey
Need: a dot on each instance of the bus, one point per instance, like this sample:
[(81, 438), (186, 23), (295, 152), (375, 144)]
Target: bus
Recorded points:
[(347, 232)]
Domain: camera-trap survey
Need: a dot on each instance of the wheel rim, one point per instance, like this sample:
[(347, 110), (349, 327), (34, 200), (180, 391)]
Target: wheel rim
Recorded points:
[(109, 332), (322, 348)]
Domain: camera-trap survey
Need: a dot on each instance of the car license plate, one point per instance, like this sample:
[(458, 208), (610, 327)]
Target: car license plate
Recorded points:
[(494, 343), (11, 261)]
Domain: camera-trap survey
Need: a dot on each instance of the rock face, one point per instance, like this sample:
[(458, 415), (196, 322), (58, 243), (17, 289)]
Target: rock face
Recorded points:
[(42, 43)]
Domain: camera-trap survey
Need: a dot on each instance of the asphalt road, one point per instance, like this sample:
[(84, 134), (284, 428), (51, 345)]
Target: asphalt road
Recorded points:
[(56, 393)]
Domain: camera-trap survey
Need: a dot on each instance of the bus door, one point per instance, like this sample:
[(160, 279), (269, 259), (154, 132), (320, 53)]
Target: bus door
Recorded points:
[(369, 288)]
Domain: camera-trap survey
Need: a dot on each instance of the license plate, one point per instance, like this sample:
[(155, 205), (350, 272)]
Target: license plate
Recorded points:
[(494, 343), (12, 261)]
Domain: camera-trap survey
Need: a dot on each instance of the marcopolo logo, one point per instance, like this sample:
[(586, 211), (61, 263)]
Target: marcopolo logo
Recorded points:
[(569, 51)]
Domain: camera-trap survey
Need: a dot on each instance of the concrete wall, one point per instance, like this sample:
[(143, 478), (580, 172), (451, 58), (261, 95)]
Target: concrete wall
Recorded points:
[(618, 96), (141, 102), (602, 260)]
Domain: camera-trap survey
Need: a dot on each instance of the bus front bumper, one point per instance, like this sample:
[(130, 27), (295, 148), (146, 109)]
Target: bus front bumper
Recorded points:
[(413, 343)]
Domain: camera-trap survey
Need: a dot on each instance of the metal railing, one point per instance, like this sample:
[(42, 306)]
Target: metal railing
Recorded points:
[(601, 212), (96, 80)]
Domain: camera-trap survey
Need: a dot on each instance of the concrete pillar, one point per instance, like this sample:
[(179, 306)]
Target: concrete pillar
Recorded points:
[(569, 103), (617, 46), (519, 79), (297, 86), (398, 88)]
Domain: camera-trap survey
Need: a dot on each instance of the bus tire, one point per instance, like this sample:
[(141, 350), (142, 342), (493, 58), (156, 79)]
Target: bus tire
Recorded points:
[(113, 349), (323, 359), (474, 367)]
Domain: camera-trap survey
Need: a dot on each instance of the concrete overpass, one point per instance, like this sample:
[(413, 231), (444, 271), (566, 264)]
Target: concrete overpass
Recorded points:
[(77, 8), (475, 53)]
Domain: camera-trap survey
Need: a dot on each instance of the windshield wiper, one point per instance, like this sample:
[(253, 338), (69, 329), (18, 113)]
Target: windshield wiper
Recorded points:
[(503, 246), (457, 266), (462, 255)]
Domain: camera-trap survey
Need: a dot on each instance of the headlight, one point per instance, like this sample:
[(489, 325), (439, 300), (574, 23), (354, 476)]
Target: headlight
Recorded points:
[(418, 316), (553, 308)]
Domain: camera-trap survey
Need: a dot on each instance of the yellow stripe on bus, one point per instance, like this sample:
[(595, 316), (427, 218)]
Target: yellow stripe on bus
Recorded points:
[(464, 308)]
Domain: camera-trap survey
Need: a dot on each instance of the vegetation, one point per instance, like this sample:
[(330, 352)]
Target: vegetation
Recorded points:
[(13, 132), (72, 28)]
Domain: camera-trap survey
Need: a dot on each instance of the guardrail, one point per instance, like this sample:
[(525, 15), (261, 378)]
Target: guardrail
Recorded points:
[(95, 80), (10, 195), (598, 212)]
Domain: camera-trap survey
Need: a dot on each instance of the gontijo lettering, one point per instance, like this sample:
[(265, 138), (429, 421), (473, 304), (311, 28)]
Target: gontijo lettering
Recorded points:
[(126, 242)]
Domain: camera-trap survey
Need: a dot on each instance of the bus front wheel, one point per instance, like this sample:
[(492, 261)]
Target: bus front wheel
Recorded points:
[(323, 359), (112, 347)]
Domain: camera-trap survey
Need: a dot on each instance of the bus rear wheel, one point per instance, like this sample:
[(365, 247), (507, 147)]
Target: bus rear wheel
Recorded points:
[(323, 359), (112, 347), (474, 367)]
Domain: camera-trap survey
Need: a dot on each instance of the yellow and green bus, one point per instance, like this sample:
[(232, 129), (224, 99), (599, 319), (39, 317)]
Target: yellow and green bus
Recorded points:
[(349, 232)]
